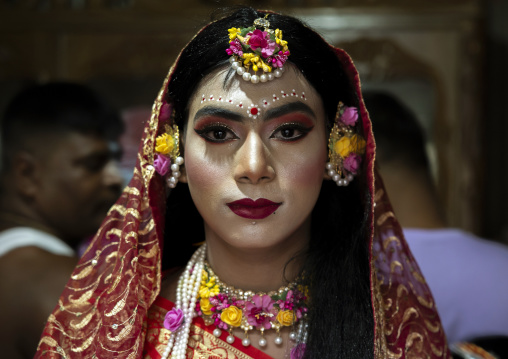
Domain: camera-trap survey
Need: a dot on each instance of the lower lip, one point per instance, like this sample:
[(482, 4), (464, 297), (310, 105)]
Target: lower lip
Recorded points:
[(253, 212)]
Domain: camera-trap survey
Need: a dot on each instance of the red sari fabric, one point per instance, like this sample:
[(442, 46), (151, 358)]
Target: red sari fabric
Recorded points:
[(202, 343), (105, 308)]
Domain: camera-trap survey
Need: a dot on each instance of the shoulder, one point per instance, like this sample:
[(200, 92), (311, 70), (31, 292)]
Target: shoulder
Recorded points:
[(31, 281)]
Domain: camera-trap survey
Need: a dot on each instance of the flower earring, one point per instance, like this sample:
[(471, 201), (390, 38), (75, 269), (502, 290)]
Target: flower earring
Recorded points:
[(345, 148), (168, 155)]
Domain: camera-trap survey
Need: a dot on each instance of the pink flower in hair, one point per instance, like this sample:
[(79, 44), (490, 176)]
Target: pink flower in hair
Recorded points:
[(298, 351), (258, 40), (173, 319), (352, 163), (269, 49), (161, 164), (235, 47), (349, 116)]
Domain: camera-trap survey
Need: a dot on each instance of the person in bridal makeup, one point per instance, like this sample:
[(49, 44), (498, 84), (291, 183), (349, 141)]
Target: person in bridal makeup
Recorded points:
[(255, 225)]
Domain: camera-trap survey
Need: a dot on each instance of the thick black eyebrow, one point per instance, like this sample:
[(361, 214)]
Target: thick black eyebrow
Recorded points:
[(219, 112), (295, 106)]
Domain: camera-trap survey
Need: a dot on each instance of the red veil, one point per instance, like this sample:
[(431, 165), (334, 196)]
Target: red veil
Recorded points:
[(102, 311)]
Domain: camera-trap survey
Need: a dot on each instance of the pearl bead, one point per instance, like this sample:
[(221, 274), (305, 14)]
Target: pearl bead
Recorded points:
[(240, 71), (217, 332), (277, 73), (179, 161), (329, 166), (246, 76), (270, 76), (340, 182), (263, 78), (262, 342), (331, 173), (292, 336), (336, 177), (175, 167), (254, 79), (171, 185), (176, 174), (232, 59), (172, 180), (94, 262), (230, 339), (245, 342), (278, 340), (234, 65), (345, 182), (350, 177)]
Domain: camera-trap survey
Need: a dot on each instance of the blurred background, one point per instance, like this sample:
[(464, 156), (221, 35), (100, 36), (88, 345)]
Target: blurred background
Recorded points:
[(445, 59)]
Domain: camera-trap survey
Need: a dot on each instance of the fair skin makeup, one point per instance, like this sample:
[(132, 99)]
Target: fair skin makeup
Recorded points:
[(278, 155)]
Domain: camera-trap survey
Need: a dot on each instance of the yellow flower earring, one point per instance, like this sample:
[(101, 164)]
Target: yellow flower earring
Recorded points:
[(345, 148), (168, 155)]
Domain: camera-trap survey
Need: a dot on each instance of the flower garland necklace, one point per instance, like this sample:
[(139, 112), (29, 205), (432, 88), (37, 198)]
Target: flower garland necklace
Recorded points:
[(200, 292)]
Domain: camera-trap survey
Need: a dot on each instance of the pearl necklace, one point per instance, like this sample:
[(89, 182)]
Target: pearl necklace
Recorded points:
[(186, 300)]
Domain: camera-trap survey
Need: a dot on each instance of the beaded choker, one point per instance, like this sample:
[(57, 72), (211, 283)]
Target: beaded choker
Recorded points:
[(229, 308)]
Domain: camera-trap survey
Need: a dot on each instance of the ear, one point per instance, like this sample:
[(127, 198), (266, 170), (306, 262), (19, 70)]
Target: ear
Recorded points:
[(25, 174)]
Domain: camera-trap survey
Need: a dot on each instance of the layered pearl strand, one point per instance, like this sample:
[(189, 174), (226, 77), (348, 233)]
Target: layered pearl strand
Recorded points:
[(186, 299), (186, 294)]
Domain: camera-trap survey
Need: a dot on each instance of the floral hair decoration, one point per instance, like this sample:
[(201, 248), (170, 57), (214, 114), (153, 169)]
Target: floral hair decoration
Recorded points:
[(258, 50), (345, 147), (167, 151)]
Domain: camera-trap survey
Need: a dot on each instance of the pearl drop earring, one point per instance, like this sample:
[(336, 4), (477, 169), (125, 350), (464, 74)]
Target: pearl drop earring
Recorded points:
[(175, 172)]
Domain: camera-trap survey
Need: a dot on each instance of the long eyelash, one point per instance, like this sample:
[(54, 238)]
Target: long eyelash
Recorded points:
[(212, 127), (295, 126)]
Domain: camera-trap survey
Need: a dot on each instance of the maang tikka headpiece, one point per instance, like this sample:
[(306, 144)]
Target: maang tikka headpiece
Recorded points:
[(345, 148), (253, 50)]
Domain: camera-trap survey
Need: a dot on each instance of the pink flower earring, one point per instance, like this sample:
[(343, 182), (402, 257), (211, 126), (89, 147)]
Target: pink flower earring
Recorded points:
[(344, 146), (168, 155)]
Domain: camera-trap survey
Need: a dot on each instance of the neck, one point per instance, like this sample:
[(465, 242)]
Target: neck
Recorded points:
[(413, 197), (257, 269)]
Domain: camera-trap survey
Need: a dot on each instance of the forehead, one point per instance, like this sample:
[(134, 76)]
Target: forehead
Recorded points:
[(236, 94)]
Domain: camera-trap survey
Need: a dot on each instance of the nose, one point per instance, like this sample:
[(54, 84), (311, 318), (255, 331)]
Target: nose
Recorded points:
[(112, 175), (252, 162)]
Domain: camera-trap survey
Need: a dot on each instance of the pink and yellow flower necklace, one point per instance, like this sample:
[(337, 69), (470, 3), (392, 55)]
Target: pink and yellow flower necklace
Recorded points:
[(201, 293), (229, 308)]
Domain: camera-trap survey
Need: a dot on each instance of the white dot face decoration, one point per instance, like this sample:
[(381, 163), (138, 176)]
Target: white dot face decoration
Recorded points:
[(253, 110)]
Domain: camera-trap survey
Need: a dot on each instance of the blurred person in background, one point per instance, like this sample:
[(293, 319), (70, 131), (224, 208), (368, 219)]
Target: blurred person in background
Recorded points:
[(58, 178), (466, 274)]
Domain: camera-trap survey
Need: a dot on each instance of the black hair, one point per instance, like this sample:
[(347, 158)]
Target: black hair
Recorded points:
[(399, 136), (52, 108), (336, 265)]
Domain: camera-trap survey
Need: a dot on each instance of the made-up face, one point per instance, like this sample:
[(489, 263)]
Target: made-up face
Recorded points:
[(254, 159)]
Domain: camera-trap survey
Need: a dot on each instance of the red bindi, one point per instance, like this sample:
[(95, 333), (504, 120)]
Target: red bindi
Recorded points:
[(254, 111)]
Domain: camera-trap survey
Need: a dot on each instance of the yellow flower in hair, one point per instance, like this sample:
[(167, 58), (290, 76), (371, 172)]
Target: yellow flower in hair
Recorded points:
[(286, 317), (278, 40), (233, 33), (208, 287), (205, 306), (232, 315), (343, 147), (164, 144)]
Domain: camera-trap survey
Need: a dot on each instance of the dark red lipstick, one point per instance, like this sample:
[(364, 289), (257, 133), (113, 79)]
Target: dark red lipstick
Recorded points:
[(258, 209)]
